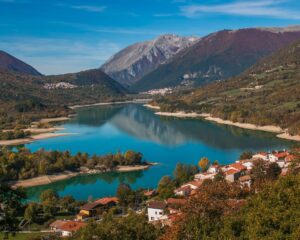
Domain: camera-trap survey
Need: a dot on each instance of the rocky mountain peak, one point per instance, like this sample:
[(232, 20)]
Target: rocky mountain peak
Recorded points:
[(135, 61)]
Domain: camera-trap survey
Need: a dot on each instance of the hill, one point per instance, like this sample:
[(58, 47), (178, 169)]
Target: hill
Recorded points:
[(132, 63), (10, 63), (25, 98), (266, 94), (218, 56)]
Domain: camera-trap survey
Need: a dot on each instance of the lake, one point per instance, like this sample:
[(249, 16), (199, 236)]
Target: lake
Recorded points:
[(166, 140)]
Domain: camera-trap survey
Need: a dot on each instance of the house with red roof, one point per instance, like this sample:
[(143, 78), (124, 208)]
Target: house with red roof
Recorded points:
[(66, 228), (96, 208)]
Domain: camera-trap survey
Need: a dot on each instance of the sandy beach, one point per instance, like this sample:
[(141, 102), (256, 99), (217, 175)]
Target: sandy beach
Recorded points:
[(43, 180), (182, 114), (281, 133), (58, 119), (151, 106), (32, 138), (289, 137), (111, 103), (132, 168)]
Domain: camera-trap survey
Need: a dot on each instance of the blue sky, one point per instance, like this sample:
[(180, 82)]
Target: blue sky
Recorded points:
[(59, 36)]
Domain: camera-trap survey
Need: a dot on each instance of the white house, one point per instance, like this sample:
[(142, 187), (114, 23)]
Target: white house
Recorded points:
[(261, 155), (213, 168), (183, 191), (204, 176), (156, 211)]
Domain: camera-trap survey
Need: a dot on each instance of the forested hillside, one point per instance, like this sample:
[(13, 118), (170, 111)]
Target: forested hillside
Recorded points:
[(267, 93), (25, 98)]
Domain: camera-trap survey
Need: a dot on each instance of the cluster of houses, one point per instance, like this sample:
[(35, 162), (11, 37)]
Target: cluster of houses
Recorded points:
[(165, 212), (91, 210)]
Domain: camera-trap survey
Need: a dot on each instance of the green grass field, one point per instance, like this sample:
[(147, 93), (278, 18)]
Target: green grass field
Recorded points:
[(22, 236)]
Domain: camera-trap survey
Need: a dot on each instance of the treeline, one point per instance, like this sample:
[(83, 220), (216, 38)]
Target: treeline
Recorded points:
[(24, 164), (15, 134)]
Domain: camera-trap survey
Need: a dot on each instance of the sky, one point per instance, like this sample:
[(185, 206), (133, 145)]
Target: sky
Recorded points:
[(60, 36)]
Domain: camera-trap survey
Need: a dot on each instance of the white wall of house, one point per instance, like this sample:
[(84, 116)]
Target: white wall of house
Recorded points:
[(155, 214), (66, 234)]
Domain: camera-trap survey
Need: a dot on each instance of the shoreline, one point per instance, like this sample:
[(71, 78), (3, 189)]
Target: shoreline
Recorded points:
[(280, 133), (20, 141), (111, 103), (38, 133), (48, 179)]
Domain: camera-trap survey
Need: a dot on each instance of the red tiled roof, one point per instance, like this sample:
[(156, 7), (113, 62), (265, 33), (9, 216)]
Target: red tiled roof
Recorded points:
[(194, 183), (149, 193), (72, 226), (245, 178), (106, 200), (231, 171), (290, 158), (176, 201), (57, 224), (238, 166), (281, 154), (157, 205), (90, 206), (184, 188)]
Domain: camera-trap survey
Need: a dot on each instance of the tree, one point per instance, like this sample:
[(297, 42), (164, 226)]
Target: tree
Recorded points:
[(166, 187), (273, 213), (50, 195), (273, 171), (10, 204), (184, 173), (246, 155), (125, 194), (204, 164), (131, 227), (31, 211)]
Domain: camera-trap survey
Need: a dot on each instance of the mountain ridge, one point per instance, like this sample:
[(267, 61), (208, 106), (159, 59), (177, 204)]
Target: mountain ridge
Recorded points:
[(217, 56), (13, 64)]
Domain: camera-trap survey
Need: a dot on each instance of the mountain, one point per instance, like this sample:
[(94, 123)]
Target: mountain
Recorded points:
[(10, 63), (268, 93), (218, 56), (132, 63)]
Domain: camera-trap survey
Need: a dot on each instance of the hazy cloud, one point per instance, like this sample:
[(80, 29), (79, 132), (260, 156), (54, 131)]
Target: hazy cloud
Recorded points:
[(267, 8), (89, 8)]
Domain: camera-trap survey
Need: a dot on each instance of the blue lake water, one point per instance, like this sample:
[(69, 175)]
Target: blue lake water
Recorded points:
[(166, 140)]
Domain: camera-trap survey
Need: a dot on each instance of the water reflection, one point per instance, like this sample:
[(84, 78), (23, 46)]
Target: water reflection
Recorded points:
[(96, 180), (137, 121)]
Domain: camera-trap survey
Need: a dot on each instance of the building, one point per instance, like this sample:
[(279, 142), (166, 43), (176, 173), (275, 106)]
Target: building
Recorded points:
[(96, 208), (245, 181), (66, 228), (183, 191), (261, 155), (232, 175), (156, 211), (204, 176), (193, 184)]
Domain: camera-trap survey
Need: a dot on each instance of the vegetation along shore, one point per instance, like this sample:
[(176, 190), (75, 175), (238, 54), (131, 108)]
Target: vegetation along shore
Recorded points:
[(26, 168)]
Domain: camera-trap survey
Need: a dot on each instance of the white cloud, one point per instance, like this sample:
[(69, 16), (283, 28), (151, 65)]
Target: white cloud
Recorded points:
[(56, 56), (89, 8), (266, 8)]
